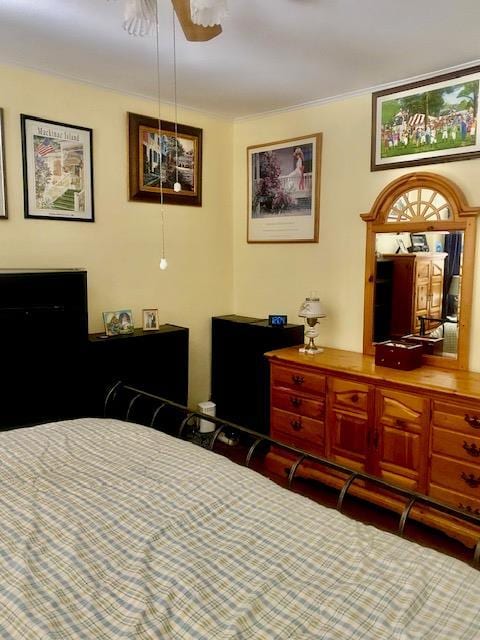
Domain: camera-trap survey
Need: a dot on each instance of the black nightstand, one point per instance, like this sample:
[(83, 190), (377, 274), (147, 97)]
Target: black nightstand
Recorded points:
[(154, 361)]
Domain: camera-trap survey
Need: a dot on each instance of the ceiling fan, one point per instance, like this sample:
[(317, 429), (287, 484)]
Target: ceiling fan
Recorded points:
[(199, 19)]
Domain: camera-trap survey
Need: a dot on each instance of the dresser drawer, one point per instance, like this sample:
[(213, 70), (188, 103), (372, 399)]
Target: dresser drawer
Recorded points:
[(462, 417), (401, 410), (298, 379), (293, 401), (306, 433), (456, 445), (455, 499), (348, 394), (456, 475)]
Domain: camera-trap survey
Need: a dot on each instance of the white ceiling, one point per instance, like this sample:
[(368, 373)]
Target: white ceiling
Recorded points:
[(272, 54)]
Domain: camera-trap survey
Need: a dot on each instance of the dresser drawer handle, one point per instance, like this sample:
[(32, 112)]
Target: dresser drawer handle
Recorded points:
[(400, 423), (355, 397), (471, 480), (471, 449), (473, 421), (296, 402), (469, 509), (296, 424), (298, 380)]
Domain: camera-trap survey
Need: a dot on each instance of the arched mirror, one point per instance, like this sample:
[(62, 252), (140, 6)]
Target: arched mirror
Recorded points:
[(419, 268)]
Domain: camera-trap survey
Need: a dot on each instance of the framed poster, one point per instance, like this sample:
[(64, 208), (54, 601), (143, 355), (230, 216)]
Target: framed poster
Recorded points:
[(3, 196), (284, 190), (425, 122), (175, 151), (57, 170)]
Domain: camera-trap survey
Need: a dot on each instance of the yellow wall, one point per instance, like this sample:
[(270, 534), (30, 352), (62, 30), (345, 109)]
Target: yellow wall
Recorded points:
[(121, 250), (276, 277), (212, 268)]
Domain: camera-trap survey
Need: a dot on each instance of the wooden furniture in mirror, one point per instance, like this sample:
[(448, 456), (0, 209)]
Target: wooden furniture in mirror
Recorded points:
[(419, 268)]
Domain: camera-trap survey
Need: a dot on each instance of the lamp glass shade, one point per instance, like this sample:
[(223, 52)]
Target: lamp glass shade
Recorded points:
[(311, 308), (454, 288)]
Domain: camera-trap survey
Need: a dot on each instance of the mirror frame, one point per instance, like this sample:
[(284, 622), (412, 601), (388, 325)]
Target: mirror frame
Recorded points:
[(463, 218)]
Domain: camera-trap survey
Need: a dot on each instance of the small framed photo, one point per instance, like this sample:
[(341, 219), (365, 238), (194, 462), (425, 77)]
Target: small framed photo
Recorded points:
[(118, 322), (57, 170), (150, 319), (419, 242)]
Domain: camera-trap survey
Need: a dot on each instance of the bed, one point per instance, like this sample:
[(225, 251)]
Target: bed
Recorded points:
[(112, 529)]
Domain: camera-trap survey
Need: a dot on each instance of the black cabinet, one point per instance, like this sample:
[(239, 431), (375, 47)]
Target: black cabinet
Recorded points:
[(240, 372), (43, 328), (154, 361), (53, 370)]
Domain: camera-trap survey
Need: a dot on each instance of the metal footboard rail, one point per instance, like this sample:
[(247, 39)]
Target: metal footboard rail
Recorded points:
[(190, 418)]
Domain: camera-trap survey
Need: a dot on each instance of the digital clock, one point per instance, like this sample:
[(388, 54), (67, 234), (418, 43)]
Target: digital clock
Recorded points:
[(277, 320)]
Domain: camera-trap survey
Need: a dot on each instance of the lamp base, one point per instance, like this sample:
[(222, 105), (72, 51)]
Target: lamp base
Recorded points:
[(310, 350)]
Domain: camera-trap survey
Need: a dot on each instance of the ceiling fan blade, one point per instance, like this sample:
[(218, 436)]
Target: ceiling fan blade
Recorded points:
[(193, 32)]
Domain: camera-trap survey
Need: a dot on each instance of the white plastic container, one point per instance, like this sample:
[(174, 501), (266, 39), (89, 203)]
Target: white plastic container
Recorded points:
[(209, 408)]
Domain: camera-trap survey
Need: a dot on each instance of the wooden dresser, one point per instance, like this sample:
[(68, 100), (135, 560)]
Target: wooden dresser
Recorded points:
[(417, 290), (419, 429)]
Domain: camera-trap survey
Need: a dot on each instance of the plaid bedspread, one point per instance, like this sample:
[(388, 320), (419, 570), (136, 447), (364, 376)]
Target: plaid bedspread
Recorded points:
[(112, 530)]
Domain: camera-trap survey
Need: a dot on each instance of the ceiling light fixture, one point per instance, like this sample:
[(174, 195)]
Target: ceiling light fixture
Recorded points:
[(208, 13)]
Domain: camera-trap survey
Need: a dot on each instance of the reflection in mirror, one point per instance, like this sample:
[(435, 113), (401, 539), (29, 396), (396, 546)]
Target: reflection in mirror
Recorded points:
[(418, 286)]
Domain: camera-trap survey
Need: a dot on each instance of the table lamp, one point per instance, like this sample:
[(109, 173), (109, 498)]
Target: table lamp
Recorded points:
[(454, 291), (311, 309)]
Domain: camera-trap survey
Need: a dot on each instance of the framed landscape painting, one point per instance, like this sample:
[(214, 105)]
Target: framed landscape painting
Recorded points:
[(57, 170), (175, 152), (425, 122), (284, 190)]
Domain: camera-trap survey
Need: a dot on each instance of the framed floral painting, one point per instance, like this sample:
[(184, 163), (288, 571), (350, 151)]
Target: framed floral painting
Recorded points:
[(284, 190)]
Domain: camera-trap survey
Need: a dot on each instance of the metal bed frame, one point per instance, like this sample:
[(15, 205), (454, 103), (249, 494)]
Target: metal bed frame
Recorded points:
[(122, 400)]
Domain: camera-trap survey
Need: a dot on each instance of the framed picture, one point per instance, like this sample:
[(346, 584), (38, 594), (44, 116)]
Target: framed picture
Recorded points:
[(175, 151), (57, 170), (3, 193), (118, 322), (419, 242), (150, 319), (429, 121), (284, 190)]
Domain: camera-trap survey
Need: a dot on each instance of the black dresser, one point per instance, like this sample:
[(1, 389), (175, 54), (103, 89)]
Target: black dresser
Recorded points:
[(52, 369), (155, 361), (43, 329), (240, 372)]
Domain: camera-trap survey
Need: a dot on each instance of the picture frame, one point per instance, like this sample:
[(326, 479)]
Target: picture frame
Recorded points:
[(57, 170), (3, 186), (419, 242), (182, 161), (118, 322), (427, 121), (283, 190), (150, 320)]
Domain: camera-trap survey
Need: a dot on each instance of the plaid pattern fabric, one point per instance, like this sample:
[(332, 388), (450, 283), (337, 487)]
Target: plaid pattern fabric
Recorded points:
[(113, 530)]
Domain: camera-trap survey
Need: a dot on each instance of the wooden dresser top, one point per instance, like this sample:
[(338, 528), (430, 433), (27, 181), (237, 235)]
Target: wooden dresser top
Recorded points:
[(465, 384)]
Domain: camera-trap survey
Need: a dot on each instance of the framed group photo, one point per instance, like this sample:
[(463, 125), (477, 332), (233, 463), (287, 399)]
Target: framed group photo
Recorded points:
[(428, 121), (175, 152), (283, 189), (57, 170)]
